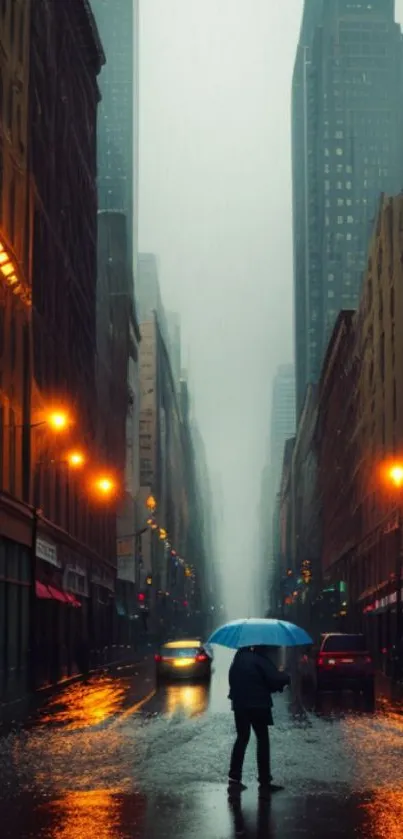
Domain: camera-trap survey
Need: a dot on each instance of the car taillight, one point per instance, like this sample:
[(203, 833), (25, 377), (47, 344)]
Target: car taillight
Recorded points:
[(368, 659), (157, 658), (202, 657), (323, 660)]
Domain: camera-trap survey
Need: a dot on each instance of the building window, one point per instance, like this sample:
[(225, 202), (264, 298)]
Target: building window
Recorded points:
[(12, 453), (9, 120), (11, 207), (382, 356), (21, 35), (13, 342), (340, 202), (350, 219), (339, 152), (339, 219), (12, 22), (330, 293), (1, 446), (2, 329)]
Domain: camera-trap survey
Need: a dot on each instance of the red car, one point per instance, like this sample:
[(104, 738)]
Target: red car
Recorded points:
[(343, 662)]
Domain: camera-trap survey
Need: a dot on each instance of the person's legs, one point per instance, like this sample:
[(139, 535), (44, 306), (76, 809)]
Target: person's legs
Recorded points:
[(238, 752), (260, 727)]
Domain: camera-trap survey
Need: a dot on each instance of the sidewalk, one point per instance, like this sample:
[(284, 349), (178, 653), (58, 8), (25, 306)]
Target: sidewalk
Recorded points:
[(387, 687), (19, 710)]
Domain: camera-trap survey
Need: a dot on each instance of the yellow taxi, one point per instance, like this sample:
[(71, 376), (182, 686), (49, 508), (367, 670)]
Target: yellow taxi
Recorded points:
[(180, 660)]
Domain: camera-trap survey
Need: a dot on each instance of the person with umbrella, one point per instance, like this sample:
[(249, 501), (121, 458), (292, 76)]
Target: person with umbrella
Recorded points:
[(253, 678)]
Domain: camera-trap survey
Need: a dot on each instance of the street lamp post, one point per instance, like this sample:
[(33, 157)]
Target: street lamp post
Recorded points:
[(58, 421), (395, 476)]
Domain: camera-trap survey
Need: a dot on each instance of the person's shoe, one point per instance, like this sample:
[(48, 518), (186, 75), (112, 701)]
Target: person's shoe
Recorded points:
[(267, 790), (235, 787)]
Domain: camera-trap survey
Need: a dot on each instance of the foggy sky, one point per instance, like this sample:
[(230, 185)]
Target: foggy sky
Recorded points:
[(215, 205)]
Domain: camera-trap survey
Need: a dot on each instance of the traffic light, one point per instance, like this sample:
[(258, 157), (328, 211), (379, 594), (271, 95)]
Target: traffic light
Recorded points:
[(141, 597)]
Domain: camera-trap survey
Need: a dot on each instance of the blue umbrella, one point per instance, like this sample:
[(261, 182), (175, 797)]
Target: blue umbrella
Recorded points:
[(254, 632)]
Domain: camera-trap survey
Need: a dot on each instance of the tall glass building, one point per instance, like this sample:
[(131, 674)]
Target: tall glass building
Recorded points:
[(283, 421), (118, 25), (347, 149)]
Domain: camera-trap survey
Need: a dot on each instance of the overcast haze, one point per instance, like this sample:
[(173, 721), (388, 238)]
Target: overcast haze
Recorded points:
[(215, 206)]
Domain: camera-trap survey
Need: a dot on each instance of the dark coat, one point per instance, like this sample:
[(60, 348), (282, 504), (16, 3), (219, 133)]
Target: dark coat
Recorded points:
[(252, 680)]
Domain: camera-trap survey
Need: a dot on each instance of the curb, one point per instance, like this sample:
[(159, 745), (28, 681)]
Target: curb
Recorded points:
[(78, 677)]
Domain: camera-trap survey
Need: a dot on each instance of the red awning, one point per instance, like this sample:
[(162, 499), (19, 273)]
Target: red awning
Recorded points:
[(72, 600), (42, 591), (57, 595)]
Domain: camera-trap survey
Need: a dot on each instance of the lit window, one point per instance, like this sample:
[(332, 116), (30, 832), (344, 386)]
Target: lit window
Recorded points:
[(339, 135), (339, 152), (330, 293), (327, 186), (340, 202), (349, 185), (327, 169), (339, 185), (349, 237), (349, 168), (330, 277), (349, 202), (327, 153), (350, 220), (339, 219)]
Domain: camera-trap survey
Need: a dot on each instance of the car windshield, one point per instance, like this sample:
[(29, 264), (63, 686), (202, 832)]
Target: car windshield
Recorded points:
[(345, 644), (180, 652)]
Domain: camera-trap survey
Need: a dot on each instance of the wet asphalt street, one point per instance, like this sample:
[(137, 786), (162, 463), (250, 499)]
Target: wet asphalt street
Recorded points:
[(113, 759)]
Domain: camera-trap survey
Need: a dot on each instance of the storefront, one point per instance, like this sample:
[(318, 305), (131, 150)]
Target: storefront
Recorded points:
[(103, 617), (380, 620), (14, 618), (57, 615)]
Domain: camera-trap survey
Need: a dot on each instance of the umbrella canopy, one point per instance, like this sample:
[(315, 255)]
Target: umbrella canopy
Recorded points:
[(254, 632)]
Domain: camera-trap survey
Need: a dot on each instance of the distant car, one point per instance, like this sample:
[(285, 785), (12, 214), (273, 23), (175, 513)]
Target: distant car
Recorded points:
[(179, 660), (344, 662)]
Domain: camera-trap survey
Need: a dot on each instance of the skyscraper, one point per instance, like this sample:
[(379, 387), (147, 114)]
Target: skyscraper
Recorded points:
[(282, 422), (118, 24), (347, 150), (148, 294)]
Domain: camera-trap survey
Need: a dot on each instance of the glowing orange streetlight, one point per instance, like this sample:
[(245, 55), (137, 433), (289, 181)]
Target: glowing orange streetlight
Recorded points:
[(151, 503), (58, 420), (105, 486), (76, 459), (395, 474)]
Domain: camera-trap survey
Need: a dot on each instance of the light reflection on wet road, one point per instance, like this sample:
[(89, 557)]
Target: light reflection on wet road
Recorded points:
[(99, 762)]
